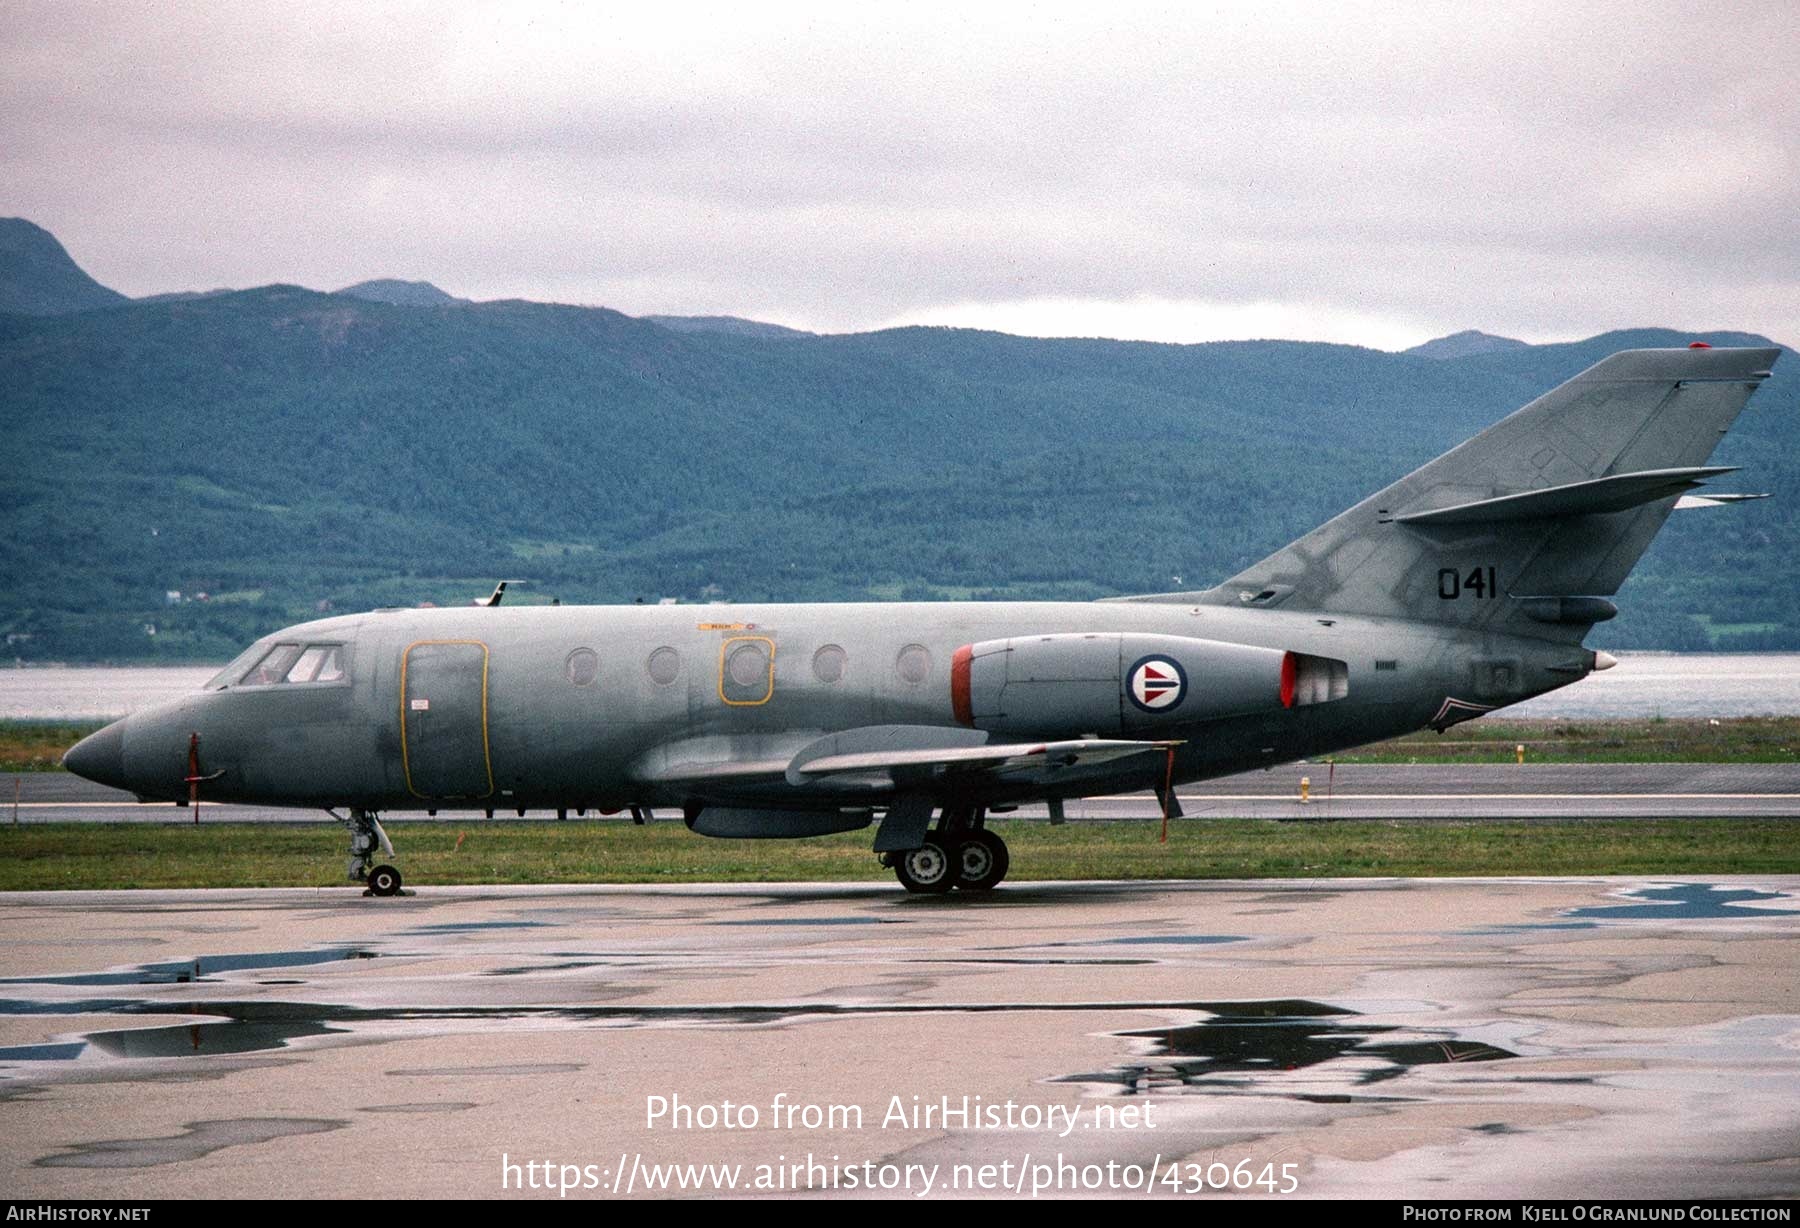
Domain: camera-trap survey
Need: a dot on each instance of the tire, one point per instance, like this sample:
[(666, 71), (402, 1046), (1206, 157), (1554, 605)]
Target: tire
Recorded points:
[(926, 870), (982, 861), (384, 880)]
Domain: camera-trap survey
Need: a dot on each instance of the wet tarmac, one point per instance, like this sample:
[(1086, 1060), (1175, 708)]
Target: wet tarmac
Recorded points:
[(1511, 1038)]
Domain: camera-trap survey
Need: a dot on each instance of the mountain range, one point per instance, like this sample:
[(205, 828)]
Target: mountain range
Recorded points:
[(285, 451)]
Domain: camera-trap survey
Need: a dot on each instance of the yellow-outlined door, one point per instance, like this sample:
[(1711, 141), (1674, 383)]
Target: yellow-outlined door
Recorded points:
[(444, 720), (746, 670)]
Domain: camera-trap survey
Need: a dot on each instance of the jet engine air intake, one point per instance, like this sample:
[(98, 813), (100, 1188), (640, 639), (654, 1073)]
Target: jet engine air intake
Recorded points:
[(1079, 683)]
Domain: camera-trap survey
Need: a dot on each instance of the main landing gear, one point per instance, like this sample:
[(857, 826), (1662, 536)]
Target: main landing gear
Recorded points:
[(961, 852), (365, 837)]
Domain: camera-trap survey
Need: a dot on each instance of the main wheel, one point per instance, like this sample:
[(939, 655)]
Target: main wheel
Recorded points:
[(927, 869), (384, 880), (982, 861)]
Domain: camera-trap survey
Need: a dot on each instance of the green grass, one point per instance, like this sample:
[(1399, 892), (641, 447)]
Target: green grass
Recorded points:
[(1748, 739), (77, 855), (1716, 631), (38, 746)]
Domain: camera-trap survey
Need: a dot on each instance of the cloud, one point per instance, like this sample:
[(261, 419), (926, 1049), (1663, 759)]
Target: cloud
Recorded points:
[(1369, 172)]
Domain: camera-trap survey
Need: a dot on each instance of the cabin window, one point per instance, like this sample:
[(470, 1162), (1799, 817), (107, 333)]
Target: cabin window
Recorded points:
[(748, 665), (664, 666), (747, 670), (913, 664), (828, 664), (583, 666)]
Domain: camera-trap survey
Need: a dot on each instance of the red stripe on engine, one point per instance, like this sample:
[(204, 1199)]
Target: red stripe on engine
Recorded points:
[(1289, 668), (959, 685)]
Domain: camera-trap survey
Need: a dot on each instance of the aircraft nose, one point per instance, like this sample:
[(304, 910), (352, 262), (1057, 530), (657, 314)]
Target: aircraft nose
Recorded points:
[(100, 756)]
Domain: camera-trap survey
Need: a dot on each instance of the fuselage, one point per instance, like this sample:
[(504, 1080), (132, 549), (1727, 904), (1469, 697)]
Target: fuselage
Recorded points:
[(603, 707)]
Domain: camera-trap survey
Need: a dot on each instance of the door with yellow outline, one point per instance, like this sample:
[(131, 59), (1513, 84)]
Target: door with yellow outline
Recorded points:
[(443, 720)]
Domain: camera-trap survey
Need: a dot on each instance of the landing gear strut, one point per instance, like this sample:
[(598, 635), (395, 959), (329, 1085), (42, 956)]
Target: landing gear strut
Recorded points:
[(365, 837), (961, 852)]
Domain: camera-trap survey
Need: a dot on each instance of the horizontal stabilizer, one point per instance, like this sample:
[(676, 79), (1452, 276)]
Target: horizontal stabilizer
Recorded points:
[(1597, 496), (1691, 501)]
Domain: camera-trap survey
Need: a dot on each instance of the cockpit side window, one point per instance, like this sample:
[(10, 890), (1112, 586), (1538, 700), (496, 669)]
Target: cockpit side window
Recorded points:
[(331, 669), (297, 664), (308, 665), (231, 673), (272, 668)]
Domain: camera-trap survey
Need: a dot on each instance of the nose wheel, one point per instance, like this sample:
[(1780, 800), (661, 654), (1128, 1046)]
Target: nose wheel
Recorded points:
[(384, 880), (366, 836)]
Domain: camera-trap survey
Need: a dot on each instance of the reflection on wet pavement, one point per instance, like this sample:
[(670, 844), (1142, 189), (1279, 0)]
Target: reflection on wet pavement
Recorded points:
[(1245, 1042), (1686, 902), (199, 1139), (1515, 1035), (209, 1039), (203, 968)]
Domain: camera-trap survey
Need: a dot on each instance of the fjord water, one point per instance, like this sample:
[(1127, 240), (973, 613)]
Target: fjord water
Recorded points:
[(1644, 684)]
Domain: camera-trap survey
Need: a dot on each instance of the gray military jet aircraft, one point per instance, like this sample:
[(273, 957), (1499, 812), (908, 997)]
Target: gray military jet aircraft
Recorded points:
[(1465, 586)]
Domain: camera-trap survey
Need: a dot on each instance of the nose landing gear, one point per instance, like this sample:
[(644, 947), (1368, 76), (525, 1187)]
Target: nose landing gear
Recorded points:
[(366, 836)]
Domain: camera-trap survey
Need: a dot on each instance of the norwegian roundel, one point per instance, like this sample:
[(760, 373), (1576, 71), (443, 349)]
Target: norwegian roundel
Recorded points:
[(1156, 684)]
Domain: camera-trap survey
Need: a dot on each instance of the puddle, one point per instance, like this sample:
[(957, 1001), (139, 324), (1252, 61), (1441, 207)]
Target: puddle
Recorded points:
[(1233, 1042), (42, 1053), (1168, 940), (476, 927), (201, 1138), (817, 921), (1135, 940), (1687, 902), (174, 1040), (205, 1039), (530, 969), (1048, 962), (477, 1072), (81, 1006), (203, 968), (1258, 1045)]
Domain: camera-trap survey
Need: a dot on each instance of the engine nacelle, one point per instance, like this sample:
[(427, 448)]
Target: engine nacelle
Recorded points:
[(747, 823), (1110, 683)]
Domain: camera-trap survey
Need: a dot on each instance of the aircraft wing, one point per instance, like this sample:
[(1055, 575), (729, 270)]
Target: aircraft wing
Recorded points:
[(878, 758), (888, 750)]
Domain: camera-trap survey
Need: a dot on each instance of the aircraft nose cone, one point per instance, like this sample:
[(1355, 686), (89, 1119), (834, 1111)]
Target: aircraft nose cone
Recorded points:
[(100, 756)]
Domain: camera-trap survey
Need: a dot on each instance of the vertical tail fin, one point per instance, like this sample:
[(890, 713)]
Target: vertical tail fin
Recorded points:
[(1534, 522)]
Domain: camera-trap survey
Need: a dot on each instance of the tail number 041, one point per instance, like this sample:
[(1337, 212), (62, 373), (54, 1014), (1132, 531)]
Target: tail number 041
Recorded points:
[(1478, 582)]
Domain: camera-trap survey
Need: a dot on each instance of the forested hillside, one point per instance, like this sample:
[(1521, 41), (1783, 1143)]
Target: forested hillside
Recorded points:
[(284, 451)]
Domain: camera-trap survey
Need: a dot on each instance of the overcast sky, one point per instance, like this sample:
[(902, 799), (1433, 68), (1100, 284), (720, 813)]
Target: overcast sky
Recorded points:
[(1377, 174)]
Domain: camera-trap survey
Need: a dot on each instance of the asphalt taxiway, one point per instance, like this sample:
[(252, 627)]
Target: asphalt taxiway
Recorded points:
[(1373, 791), (1511, 1038)]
